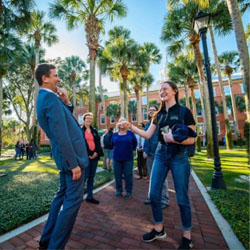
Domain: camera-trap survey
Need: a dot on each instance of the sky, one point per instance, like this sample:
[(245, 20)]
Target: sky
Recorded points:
[(144, 19)]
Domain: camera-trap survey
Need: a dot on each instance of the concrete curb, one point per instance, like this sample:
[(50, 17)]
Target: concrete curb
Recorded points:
[(226, 230), (41, 219)]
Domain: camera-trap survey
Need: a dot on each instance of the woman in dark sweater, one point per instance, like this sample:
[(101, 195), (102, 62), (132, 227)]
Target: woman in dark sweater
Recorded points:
[(124, 143), (94, 148)]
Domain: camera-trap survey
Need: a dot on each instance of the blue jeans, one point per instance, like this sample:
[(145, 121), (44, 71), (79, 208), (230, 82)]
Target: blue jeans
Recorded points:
[(165, 195), (60, 222), (180, 168), (90, 175), (123, 168)]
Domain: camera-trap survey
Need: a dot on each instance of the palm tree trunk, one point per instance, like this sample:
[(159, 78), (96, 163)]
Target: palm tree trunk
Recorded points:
[(125, 98), (34, 124), (74, 97), (92, 89), (1, 112), (207, 110), (186, 94), (147, 97), (237, 133), (102, 97), (122, 101), (241, 44), (229, 141), (198, 141), (138, 104)]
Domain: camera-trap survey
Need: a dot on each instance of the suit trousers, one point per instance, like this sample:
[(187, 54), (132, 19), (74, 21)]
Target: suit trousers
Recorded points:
[(61, 221)]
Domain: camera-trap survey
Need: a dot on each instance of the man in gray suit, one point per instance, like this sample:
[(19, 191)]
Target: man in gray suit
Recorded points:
[(70, 154)]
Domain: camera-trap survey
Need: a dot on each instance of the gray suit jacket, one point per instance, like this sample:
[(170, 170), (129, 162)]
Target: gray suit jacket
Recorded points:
[(68, 146)]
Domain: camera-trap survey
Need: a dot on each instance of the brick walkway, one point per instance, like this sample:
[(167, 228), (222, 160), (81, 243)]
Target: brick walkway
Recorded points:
[(118, 223)]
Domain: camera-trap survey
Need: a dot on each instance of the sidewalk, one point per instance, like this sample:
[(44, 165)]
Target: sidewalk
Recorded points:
[(118, 223)]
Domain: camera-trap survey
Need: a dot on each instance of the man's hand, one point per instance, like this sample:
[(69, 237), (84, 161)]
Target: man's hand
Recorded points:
[(144, 155), (77, 172), (63, 95)]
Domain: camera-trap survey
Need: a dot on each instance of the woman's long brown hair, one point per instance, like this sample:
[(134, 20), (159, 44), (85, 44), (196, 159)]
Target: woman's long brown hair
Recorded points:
[(163, 105)]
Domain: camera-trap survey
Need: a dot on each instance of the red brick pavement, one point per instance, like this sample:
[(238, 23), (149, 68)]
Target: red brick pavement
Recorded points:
[(117, 223)]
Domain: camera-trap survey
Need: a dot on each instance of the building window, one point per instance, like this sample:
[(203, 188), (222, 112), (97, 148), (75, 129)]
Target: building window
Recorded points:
[(227, 90), (80, 120), (216, 110), (144, 100), (100, 106), (201, 128), (218, 128), (199, 112), (242, 88), (112, 119), (133, 117), (102, 119), (214, 91), (229, 111), (197, 94), (232, 126), (145, 114)]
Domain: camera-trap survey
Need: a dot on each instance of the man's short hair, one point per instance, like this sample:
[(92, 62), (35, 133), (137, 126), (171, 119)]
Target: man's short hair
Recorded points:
[(41, 70)]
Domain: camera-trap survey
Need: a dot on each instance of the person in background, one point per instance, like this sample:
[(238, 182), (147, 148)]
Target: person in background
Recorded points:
[(141, 161), (27, 149), (124, 142), (95, 151), (22, 149), (18, 150), (104, 152), (108, 148), (149, 149)]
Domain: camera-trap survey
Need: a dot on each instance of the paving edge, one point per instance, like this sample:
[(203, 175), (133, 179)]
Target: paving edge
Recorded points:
[(226, 230), (41, 219)]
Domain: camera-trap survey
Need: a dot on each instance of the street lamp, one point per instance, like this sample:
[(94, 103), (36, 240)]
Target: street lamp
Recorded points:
[(201, 22)]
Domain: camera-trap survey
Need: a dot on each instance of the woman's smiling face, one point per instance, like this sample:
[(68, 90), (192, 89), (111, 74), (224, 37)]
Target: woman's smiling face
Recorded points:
[(166, 93)]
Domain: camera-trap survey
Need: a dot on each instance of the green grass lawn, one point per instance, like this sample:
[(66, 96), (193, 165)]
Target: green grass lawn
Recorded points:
[(233, 202), (27, 189)]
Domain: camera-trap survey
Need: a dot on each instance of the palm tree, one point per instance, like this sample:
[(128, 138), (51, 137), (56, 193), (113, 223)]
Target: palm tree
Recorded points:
[(234, 11), (102, 63), (147, 81), (71, 72), (114, 109), (220, 22), (229, 62), (122, 54), (92, 14), (137, 84), (39, 31), (14, 17), (178, 27), (242, 47), (152, 56), (132, 108)]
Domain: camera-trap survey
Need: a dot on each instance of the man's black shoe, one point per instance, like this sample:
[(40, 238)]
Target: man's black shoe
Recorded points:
[(186, 244), (43, 245), (92, 200), (153, 235)]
